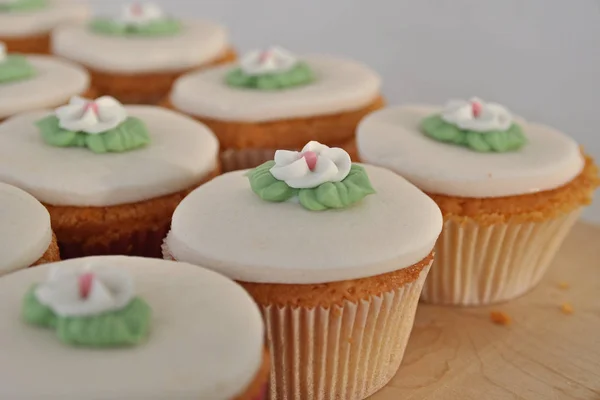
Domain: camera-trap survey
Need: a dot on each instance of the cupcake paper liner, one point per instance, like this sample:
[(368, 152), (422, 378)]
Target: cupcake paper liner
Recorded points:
[(146, 243), (233, 159), (478, 265), (345, 352)]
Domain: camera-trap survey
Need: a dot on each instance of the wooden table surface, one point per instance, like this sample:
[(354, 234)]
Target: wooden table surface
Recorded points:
[(544, 354)]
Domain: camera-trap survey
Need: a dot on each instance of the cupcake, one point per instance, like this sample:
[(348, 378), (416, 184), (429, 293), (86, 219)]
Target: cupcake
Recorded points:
[(25, 25), (274, 99), (110, 175), (129, 328), (26, 238), (32, 82), (136, 56), (509, 189), (334, 253)]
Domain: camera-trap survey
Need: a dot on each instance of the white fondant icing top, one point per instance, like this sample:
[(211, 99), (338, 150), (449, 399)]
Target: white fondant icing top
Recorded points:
[(225, 226), (182, 152), (392, 139), (206, 340), (340, 85), (198, 43), (25, 232), (55, 82), (15, 24)]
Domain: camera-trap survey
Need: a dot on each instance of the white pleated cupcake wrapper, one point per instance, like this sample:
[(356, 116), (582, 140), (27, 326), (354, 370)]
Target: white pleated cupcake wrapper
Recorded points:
[(345, 352), (166, 252), (478, 265)]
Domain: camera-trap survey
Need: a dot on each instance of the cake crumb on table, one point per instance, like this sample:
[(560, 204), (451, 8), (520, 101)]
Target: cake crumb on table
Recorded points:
[(500, 318), (566, 308), (563, 285)]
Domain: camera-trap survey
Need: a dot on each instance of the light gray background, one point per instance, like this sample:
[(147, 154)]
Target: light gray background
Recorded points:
[(539, 57)]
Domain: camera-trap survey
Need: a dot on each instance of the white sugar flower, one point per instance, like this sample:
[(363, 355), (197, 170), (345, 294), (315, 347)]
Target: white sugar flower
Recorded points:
[(93, 117), (141, 14), (73, 292), (3, 52), (311, 167), (272, 60), (476, 115)]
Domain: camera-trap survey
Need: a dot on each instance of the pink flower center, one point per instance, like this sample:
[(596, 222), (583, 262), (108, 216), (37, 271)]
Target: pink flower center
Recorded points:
[(476, 106), (264, 56), (311, 159), (91, 106), (136, 9), (85, 284)]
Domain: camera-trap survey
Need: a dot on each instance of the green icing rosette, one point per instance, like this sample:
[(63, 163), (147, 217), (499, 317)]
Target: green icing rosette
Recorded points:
[(125, 327), (298, 75), (129, 135), (491, 141), (23, 5), (84, 311), (163, 27), (15, 68), (317, 189), (101, 126), (476, 125), (270, 70)]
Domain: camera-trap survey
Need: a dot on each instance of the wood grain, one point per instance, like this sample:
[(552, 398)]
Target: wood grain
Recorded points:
[(459, 354)]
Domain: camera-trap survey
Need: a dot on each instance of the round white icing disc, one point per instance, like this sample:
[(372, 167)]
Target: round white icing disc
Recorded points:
[(392, 138), (198, 43), (25, 232), (182, 152), (340, 85), (206, 340), (56, 80), (43, 20), (225, 226)]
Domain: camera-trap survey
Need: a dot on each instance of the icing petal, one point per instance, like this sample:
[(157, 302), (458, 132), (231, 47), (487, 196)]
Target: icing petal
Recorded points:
[(140, 14), (78, 101), (285, 157), (485, 117), (272, 60), (342, 161), (3, 52), (107, 102), (76, 121), (120, 283), (110, 290), (296, 170), (56, 292), (324, 171), (283, 58), (107, 114), (315, 146), (68, 113)]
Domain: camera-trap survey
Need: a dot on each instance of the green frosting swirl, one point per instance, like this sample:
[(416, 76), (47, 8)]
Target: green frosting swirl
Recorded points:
[(23, 5), (128, 136), (492, 141), (355, 187), (15, 68), (163, 27), (300, 74), (125, 327)]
